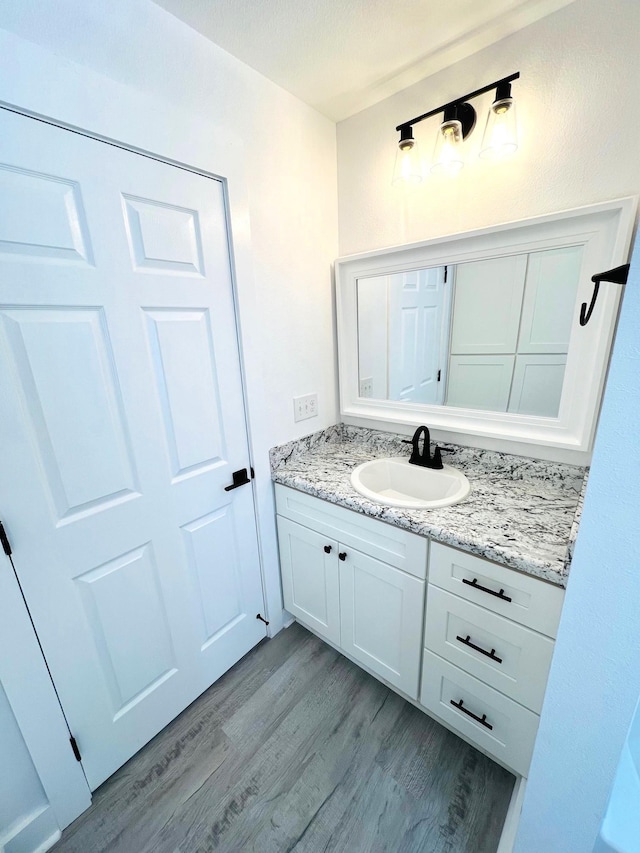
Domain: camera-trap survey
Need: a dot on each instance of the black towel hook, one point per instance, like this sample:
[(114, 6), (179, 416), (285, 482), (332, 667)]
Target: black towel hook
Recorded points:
[(618, 275)]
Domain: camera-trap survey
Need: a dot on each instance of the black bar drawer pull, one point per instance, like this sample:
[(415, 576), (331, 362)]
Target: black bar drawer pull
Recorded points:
[(474, 583), (240, 478), (492, 654), (482, 720), (327, 549)]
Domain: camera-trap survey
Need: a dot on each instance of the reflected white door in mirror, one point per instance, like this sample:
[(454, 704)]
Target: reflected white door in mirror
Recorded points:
[(478, 333)]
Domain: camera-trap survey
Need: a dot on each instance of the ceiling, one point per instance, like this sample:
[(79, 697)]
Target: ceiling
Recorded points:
[(341, 56)]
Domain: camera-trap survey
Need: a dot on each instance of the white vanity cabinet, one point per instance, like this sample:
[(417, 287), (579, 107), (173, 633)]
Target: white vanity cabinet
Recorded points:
[(480, 665), (356, 582), (488, 645)]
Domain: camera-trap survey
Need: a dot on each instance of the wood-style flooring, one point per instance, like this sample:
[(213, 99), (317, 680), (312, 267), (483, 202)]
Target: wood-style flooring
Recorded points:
[(297, 749)]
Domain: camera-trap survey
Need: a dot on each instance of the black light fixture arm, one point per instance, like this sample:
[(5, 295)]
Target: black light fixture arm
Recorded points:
[(502, 88)]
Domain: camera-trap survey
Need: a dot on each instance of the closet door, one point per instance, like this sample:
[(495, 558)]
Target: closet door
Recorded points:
[(487, 305), (121, 424)]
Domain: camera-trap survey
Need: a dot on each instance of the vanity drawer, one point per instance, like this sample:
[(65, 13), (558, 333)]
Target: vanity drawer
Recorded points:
[(513, 728), (519, 659), (392, 545), (520, 597)]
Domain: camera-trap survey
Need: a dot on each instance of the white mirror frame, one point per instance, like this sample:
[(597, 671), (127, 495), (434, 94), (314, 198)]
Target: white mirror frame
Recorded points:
[(604, 230)]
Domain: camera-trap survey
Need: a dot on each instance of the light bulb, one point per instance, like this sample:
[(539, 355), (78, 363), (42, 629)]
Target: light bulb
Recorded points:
[(446, 155), (408, 166), (500, 134)]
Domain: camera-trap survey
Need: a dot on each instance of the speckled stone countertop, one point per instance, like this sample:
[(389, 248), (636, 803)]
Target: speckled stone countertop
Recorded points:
[(521, 512)]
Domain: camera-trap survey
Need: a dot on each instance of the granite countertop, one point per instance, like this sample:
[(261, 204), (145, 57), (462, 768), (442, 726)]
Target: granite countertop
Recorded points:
[(521, 512)]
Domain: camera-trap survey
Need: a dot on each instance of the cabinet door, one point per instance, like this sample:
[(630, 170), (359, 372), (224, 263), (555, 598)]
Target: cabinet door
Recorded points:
[(310, 578), (381, 619)]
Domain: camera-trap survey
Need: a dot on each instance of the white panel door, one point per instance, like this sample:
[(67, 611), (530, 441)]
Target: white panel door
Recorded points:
[(480, 381), (487, 305), (537, 385), (309, 564), (121, 421), (548, 310), (381, 614), (416, 306)]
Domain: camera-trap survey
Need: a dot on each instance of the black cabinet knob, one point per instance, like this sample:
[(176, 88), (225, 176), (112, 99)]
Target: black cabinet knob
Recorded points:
[(342, 555), (327, 549)]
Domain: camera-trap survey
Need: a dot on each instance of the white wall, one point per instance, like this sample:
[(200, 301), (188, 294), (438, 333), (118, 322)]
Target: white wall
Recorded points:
[(595, 676), (578, 116)]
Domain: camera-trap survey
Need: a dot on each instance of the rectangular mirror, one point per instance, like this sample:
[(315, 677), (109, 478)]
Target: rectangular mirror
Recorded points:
[(478, 333), (489, 334)]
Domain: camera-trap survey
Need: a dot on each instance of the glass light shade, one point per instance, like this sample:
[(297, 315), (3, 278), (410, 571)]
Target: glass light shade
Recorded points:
[(446, 155), (408, 166), (500, 135)]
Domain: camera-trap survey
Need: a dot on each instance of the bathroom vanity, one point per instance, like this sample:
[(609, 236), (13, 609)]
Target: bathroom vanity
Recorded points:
[(455, 608)]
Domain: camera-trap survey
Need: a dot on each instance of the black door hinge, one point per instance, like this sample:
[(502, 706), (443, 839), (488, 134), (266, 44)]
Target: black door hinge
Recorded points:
[(75, 748), (4, 540), (439, 376)]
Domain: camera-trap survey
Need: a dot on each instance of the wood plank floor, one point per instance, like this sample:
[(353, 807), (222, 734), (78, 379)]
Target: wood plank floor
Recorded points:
[(297, 749)]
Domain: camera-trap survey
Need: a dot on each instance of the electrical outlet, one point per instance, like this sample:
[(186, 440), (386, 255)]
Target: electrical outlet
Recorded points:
[(305, 407), (366, 387)]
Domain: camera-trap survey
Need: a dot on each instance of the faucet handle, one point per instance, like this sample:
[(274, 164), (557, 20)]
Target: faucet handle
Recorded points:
[(436, 459)]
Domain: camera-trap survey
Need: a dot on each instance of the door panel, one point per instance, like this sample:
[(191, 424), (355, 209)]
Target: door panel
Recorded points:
[(163, 238), (487, 305), (126, 616), (211, 541), (181, 345), (63, 354), (42, 217), (121, 421)]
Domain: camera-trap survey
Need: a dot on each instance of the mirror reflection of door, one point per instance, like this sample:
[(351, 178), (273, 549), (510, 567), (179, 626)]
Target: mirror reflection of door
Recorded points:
[(490, 334), (403, 330), (416, 327), (510, 332)]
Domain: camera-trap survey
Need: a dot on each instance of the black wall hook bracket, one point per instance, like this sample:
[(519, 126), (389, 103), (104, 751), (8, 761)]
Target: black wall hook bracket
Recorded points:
[(618, 275)]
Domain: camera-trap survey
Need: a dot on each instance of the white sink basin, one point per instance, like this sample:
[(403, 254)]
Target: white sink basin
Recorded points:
[(394, 482)]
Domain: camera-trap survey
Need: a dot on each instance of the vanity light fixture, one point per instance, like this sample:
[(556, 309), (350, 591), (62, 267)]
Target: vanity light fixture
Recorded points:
[(500, 133), (459, 119), (408, 166)]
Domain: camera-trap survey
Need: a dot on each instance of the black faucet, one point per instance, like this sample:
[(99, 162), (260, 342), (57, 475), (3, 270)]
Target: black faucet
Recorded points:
[(424, 457)]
